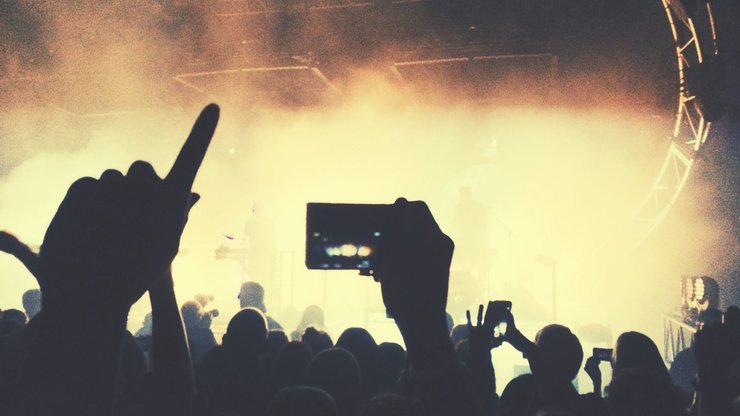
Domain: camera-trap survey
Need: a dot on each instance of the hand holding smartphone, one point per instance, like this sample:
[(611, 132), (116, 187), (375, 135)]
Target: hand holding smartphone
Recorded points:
[(603, 354)]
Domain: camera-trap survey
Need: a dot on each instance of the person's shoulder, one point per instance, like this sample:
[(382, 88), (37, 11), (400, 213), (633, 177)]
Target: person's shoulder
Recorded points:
[(273, 324), (215, 360)]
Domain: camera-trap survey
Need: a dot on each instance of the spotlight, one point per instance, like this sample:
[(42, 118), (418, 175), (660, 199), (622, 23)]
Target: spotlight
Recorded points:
[(699, 295)]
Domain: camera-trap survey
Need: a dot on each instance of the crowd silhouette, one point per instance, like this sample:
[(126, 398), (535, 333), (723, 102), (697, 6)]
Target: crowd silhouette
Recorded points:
[(112, 240)]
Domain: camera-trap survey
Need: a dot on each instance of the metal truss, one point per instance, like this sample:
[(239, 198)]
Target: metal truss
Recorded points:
[(677, 336), (690, 130)]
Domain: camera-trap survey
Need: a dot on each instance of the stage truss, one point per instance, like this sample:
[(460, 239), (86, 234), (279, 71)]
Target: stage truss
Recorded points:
[(691, 129)]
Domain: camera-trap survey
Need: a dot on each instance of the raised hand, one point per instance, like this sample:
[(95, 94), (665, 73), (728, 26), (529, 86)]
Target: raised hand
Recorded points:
[(112, 237), (414, 270), (481, 339), (482, 335), (593, 371), (414, 265), (11, 245)]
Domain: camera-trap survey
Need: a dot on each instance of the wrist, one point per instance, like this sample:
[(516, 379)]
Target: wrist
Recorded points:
[(520, 342), (162, 285), (428, 343)]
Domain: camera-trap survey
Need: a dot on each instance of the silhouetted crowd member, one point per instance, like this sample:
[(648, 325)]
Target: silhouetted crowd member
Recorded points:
[(12, 320), (228, 374), (290, 365), (313, 317), (197, 326), (32, 302), (252, 295), (113, 239), (146, 327), (317, 341)]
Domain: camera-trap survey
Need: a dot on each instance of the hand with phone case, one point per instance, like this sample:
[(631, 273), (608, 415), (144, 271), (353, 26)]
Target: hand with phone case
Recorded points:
[(413, 268)]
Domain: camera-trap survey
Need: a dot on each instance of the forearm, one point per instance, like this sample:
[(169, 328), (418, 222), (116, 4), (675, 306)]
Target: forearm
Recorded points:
[(442, 381), (597, 387), (170, 354), (482, 375), (29, 258)]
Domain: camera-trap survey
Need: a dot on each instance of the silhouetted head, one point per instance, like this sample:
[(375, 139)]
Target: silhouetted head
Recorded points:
[(336, 371), (459, 333), (391, 361), (637, 351), (561, 352), (634, 391), (313, 316), (290, 364), (388, 404), (362, 345), (246, 332), (12, 320), (15, 316), (192, 313), (301, 401), (32, 302), (146, 326), (252, 294), (317, 340), (520, 397), (276, 339)]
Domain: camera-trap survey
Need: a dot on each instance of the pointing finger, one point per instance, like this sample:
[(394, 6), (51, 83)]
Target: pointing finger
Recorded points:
[(194, 150)]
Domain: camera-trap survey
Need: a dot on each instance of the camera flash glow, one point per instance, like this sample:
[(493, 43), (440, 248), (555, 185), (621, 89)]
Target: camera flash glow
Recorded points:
[(364, 251), (333, 251)]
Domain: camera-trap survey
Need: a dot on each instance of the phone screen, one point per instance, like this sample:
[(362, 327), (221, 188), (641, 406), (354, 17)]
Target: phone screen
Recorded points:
[(501, 309), (336, 250), (343, 236)]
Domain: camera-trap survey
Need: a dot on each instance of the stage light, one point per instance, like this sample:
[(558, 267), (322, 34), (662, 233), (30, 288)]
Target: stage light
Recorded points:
[(699, 294)]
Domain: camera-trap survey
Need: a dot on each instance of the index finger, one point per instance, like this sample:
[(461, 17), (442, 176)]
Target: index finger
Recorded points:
[(183, 171)]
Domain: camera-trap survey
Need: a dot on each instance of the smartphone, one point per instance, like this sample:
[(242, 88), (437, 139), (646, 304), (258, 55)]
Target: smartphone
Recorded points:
[(345, 236), (501, 309), (603, 354)]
